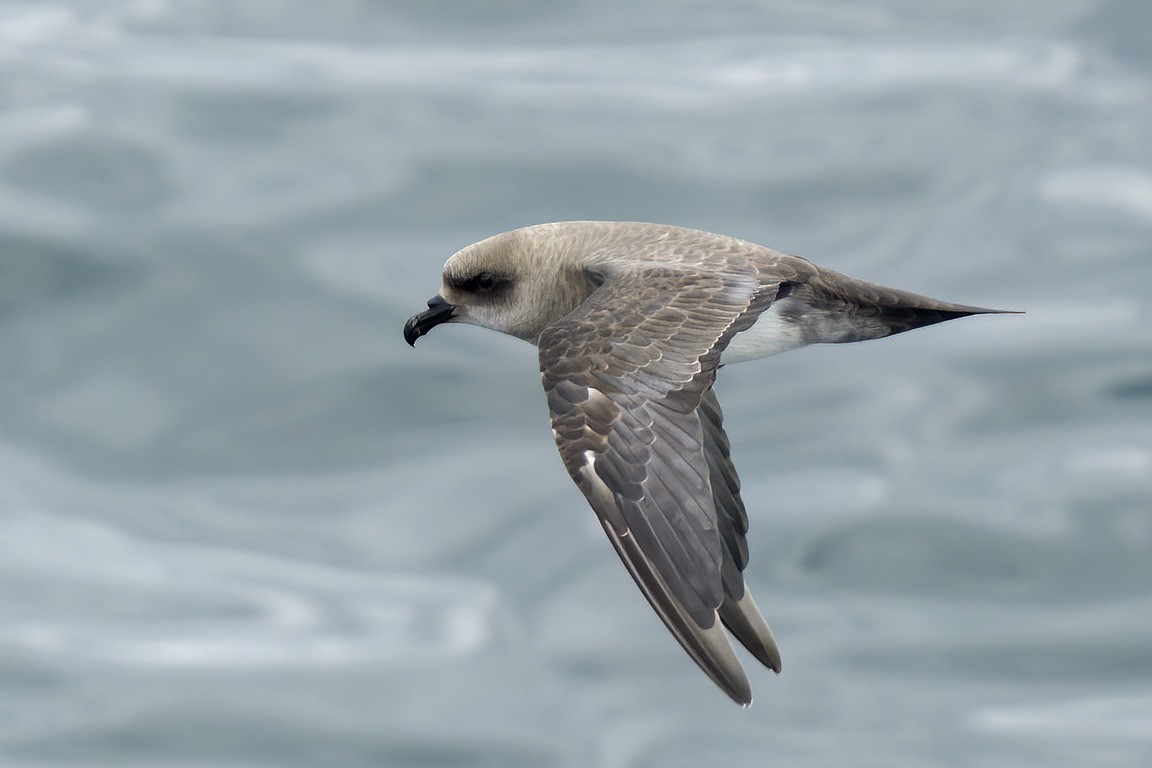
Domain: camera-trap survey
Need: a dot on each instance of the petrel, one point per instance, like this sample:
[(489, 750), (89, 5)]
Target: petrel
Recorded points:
[(632, 321)]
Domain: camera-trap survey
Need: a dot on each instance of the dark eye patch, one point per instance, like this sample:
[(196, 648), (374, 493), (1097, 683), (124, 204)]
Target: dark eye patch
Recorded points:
[(482, 282)]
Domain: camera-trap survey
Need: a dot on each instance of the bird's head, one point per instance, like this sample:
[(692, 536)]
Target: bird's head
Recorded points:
[(517, 283)]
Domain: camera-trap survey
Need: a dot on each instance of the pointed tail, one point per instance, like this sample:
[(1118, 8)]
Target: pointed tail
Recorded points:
[(842, 309)]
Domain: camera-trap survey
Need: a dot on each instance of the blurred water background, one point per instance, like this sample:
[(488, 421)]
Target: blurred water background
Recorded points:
[(242, 524)]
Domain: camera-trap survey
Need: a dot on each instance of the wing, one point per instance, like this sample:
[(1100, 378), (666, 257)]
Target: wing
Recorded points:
[(738, 611), (626, 373)]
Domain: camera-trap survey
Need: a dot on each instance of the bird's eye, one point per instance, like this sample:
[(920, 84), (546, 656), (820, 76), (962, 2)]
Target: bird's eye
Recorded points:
[(481, 282)]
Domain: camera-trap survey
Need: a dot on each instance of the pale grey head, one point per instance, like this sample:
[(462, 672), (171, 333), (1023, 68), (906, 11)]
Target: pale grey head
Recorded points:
[(521, 281)]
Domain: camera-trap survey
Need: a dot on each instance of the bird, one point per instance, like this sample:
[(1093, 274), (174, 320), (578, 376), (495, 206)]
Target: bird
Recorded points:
[(632, 321)]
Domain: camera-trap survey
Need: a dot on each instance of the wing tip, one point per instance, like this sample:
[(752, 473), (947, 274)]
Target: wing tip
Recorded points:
[(741, 693), (708, 646), (743, 619)]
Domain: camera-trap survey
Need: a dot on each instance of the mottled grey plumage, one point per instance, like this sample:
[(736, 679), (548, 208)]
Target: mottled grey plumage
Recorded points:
[(632, 322)]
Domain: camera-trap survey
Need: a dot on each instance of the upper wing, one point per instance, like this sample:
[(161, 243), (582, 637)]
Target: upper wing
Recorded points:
[(626, 373)]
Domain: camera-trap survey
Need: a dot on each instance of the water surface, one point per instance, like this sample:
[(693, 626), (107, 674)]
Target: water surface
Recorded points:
[(242, 524)]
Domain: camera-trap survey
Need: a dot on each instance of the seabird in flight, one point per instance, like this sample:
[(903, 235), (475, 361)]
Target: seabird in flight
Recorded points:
[(632, 321)]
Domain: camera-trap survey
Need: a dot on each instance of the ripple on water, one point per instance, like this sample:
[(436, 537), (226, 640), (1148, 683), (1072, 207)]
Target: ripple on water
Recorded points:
[(85, 590)]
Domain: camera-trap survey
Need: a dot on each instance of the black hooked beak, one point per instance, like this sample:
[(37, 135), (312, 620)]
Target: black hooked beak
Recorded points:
[(439, 311)]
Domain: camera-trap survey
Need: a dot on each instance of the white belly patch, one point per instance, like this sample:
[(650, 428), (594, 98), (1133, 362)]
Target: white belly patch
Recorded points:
[(771, 335)]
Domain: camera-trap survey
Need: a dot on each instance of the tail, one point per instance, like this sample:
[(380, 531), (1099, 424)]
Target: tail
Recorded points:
[(909, 310), (835, 308)]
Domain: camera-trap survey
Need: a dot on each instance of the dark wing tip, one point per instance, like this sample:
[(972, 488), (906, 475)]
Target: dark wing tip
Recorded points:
[(745, 622), (899, 318), (707, 646)]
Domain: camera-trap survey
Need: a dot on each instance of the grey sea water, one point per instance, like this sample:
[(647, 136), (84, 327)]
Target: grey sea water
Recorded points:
[(242, 524)]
